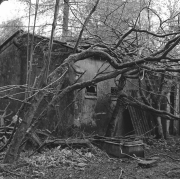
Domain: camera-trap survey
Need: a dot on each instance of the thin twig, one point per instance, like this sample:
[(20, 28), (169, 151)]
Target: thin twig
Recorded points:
[(85, 24), (130, 155), (120, 175), (56, 12)]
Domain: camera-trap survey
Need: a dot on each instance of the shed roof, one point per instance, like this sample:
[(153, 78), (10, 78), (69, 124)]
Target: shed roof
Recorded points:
[(23, 33), (10, 38)]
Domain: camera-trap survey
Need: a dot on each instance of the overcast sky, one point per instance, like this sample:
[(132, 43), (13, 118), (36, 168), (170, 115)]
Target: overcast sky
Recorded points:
[(11, 9)]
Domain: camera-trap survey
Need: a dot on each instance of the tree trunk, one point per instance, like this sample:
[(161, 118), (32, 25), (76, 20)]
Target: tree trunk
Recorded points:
[(159, 123), (65, 20), (176, 111), (160, 128)]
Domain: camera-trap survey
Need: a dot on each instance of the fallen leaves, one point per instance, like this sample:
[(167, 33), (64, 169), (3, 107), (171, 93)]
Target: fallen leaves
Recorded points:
[(68, 158), (91, 162)]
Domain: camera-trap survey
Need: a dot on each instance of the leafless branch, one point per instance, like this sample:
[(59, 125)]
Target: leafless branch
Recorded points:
[(85, 24)]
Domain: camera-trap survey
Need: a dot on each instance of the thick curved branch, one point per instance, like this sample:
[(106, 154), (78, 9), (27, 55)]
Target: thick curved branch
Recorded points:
[(81, 85), (105, 56), (132, 76), (91, 53), (171, 47), (154, 69), (132, 72), (88, 83), (123, 37), (170, 42)]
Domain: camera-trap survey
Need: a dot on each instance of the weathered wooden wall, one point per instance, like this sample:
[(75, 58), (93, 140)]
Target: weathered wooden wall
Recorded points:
[(10, 74)]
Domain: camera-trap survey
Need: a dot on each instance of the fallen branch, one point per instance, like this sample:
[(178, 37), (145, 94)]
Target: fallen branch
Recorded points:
[(166, 156), (120, 175), (138, 159), (38, 150)]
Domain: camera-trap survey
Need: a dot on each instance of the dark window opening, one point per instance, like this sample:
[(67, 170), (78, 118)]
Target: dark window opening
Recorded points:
[(114, 91), (133, 93), (91, 90)]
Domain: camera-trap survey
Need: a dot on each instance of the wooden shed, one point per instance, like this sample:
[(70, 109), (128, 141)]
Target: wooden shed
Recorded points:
[(89, 109)]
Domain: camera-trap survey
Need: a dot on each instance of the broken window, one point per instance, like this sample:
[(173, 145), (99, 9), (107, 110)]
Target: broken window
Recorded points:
[(114, 91), (91, 90)]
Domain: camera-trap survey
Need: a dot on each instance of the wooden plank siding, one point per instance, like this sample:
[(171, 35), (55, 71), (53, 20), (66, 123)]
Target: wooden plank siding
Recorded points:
[(140, 122)]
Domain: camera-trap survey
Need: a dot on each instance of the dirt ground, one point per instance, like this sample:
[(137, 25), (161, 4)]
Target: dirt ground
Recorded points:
[(69, 163)]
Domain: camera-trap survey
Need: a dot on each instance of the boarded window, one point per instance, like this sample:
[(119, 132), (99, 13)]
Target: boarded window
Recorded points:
[(91, 90)]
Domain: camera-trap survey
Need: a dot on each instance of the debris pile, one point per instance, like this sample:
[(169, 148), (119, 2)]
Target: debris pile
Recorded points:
[(57, 158), (75, 158), (62, 157)]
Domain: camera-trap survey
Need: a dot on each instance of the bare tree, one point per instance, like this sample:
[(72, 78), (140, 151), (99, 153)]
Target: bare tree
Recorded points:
[(132, 46)]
